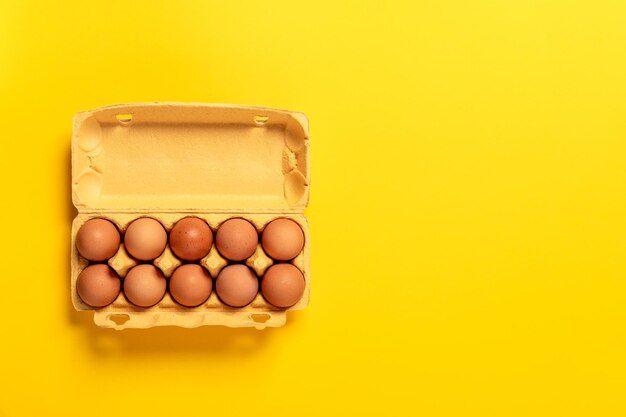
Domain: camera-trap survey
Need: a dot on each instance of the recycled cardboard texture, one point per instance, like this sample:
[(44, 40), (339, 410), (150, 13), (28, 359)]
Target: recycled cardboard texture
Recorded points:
[(174, 156), (170, 160)]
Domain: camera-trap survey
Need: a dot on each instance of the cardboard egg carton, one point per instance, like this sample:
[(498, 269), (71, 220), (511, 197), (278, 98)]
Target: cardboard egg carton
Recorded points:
[(172, 160)]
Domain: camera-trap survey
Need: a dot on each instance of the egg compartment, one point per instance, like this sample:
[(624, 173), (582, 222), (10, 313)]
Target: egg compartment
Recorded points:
[(177, 129), (167, 262)]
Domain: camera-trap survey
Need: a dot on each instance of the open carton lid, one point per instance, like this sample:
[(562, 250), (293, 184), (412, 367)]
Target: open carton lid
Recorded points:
[(148, 157)]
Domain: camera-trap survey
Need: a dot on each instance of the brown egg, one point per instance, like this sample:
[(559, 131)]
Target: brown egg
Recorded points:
[(191, 239), (282, 285), (145, 239), (144, 285), (237, 285), (236, 239), (97, 240), (282, 239), (190, 285), (98, 285)]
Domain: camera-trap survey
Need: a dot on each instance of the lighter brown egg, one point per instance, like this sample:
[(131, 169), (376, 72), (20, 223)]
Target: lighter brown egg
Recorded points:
[(97, 240), (282, 239), (144, 285), (190, 285), (145, 239), (282, 285), (191, 239), (237, 285), (98, 285), (237, 239)]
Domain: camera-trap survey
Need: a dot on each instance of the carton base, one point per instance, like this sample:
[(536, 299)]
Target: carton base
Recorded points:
[(147, 319)]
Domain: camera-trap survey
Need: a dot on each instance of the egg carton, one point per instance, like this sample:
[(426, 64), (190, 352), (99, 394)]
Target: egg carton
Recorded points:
[(172, 160)]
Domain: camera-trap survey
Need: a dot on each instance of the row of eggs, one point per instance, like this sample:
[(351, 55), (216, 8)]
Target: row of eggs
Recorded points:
[(190, 239), (282, 285)]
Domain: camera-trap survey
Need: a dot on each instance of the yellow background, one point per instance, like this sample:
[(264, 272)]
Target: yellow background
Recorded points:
[(468, 206)]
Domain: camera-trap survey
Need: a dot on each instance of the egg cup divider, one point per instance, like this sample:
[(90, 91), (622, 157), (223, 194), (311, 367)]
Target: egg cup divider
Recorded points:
[(172, 160)]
